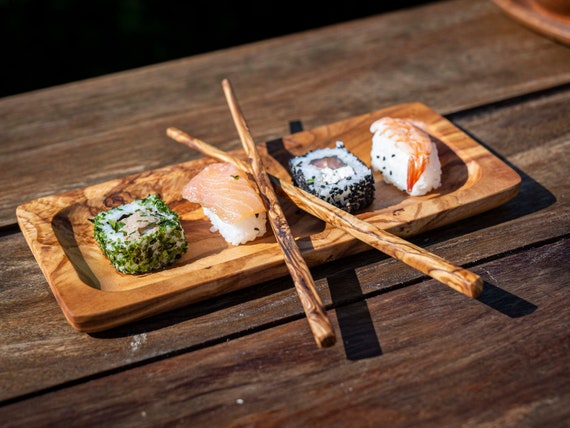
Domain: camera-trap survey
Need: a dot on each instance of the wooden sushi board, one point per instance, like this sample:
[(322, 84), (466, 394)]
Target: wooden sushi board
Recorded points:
[(95, 297)]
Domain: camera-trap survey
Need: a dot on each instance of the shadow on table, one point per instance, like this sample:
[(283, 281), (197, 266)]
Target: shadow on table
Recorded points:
[(532, 195), (355, 323), (357, 329), (505, 302)]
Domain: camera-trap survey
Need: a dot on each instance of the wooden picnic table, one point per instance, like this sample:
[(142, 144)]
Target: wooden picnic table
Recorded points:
[(409, 351)]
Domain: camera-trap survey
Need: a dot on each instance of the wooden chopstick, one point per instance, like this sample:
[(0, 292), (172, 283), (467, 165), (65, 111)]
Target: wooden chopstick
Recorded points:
[(318, 320), (458, 278)]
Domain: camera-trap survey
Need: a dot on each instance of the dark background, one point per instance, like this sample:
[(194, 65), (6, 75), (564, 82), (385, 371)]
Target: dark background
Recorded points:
[(50, 42)]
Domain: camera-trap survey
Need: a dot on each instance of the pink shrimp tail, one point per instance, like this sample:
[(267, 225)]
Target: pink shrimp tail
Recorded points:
[(416, 167)]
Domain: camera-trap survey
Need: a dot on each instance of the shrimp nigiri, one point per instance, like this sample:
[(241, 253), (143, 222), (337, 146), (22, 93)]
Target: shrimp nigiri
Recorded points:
[(405, 155)]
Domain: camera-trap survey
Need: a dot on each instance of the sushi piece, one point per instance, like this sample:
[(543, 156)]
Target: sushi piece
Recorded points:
[(405, 155), (229, 200), (335, 175), (140, 236)]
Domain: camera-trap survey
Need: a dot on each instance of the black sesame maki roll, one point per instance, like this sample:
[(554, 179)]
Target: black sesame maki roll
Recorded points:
[(140, 236), (336, 176)]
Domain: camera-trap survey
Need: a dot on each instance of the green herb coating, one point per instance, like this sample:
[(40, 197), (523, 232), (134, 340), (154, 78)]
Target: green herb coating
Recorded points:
[(141, 236)]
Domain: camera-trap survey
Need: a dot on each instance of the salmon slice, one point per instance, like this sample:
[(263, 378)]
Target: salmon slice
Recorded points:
[(226, 191)]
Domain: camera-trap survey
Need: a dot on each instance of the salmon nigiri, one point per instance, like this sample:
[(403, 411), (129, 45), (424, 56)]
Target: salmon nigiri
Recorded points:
[(229, 200)]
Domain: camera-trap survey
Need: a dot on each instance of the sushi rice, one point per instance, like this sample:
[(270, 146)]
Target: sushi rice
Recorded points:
[(241, 232), (140, 236)]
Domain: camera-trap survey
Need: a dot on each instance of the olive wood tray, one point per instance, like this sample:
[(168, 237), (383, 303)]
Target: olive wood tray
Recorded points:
[(95, 297)]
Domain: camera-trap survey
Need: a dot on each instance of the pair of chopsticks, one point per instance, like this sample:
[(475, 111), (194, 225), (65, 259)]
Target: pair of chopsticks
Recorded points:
[(460, 279)]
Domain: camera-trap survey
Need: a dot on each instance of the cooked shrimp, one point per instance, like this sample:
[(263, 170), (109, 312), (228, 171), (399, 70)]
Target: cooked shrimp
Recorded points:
[(409, 139)]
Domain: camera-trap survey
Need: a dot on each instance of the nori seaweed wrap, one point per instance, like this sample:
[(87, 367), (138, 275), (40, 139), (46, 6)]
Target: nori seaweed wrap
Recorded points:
[(335, 175)]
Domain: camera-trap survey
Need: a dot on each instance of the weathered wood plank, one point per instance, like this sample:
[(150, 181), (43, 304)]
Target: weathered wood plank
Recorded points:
[(49, 350), (83, 133), (416, 356)]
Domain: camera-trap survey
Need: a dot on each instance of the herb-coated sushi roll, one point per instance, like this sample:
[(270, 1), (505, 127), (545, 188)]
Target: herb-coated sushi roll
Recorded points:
[(140, 236), (336, 176), (405, 155)]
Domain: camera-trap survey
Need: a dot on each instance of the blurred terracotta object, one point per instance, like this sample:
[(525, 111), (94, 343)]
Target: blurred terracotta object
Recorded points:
[(550, 18), (555, 7)]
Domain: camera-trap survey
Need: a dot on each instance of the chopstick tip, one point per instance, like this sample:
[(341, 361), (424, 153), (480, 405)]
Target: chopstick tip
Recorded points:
[(327, 341)]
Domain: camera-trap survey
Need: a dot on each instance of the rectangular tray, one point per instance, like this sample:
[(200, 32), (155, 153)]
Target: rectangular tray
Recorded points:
[(95, 297)]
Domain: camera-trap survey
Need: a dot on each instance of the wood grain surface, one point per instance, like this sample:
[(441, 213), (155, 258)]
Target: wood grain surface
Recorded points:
[(410, 352), (386, 340)]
